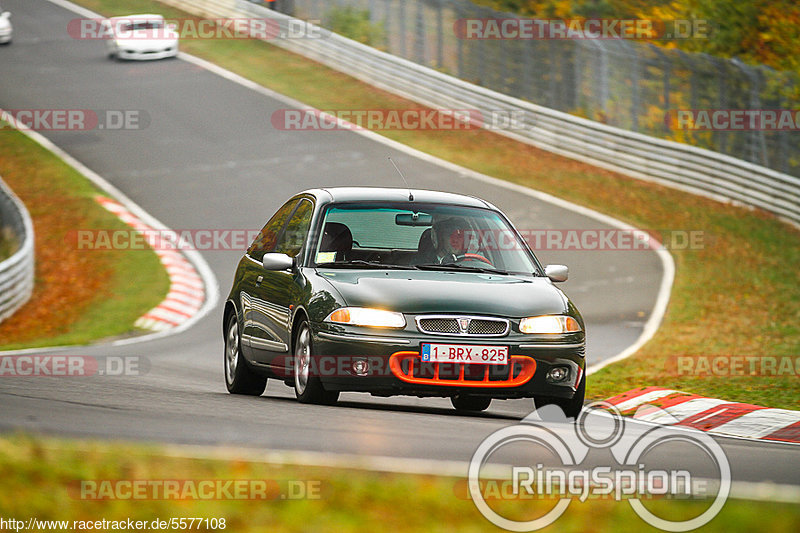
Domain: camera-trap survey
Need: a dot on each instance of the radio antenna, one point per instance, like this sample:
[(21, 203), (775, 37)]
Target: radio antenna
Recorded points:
[(410, 195)]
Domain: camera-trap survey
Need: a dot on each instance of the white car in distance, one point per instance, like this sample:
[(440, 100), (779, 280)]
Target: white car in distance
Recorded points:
[(5, 27), (140, 37)]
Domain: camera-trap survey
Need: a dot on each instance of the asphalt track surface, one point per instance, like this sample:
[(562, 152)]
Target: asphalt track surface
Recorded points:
[(210, 159)]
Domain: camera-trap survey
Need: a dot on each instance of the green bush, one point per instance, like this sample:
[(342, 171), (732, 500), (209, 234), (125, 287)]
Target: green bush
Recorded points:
[(355, 24)]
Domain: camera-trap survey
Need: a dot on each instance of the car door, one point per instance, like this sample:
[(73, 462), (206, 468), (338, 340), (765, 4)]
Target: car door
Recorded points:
[(254, 308), (278, 291)]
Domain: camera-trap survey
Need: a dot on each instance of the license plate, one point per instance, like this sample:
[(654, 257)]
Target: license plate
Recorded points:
[(464, 353)]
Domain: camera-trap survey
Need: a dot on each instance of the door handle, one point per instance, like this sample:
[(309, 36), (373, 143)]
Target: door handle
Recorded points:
[(259, 279)]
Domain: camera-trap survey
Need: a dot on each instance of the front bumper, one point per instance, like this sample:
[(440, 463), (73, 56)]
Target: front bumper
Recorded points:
[(135, 55), (390, 354)]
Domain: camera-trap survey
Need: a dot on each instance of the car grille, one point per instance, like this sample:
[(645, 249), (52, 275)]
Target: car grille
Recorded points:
[(487, 327), (438, 325), (451, 325), (409, 367)]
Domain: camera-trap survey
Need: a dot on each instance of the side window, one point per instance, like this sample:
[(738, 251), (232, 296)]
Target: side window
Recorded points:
[(268, 237), (294, 236)]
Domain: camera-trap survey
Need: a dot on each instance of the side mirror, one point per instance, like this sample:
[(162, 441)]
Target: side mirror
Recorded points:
[(277, 262), (557, 272)]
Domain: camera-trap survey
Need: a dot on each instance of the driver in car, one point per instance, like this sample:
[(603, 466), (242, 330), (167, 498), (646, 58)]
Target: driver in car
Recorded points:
[(449, 239)]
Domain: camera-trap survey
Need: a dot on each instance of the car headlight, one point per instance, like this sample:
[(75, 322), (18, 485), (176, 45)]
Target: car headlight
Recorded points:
[(365, 316), (549, 324)]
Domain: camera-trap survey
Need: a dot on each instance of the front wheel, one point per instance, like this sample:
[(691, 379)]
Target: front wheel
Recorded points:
[(465, 402), (307, 386), (571, 407), (239, 377)]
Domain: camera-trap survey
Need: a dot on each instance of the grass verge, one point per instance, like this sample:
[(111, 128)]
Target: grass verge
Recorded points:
[(738, 295), (80, 295), (43, 478)]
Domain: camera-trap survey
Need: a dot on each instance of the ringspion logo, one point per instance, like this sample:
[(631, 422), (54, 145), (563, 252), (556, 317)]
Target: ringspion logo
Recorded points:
[(629, 477)]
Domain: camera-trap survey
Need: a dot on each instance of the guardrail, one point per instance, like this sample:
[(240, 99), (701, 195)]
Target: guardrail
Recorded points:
[(678, 165), (16, 272)]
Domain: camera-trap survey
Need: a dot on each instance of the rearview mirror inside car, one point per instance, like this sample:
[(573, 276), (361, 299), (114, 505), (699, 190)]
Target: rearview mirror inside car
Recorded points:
[(413, 219)]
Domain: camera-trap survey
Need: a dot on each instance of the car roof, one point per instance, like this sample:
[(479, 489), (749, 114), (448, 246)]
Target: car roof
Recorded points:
[(367, 194), (138, 17)]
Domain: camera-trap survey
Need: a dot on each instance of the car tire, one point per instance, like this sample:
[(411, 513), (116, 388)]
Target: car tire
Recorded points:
[(466, 402), (308, 387), (571, 406), (239, 377)]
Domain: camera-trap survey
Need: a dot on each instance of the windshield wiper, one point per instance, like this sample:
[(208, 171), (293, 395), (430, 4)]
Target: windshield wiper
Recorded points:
[(459, 268), (360, 263)]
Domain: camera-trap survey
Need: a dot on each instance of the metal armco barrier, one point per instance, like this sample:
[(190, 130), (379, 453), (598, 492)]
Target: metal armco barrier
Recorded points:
[(16, 272), (678, 165)]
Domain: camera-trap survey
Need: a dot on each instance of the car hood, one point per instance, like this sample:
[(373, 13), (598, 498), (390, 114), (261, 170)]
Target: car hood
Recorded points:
[(415, 292)]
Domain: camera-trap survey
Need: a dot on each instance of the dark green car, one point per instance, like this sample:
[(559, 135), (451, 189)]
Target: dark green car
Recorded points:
[(396, 291)]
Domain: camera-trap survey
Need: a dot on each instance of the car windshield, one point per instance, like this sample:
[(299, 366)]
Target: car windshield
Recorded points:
[(142, 25), (425, 236)]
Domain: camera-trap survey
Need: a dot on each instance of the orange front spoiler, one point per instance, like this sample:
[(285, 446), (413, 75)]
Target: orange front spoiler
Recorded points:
[(526, 367)]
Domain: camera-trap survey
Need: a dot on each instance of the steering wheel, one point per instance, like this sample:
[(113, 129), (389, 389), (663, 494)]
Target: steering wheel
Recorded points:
[(473, 257)]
